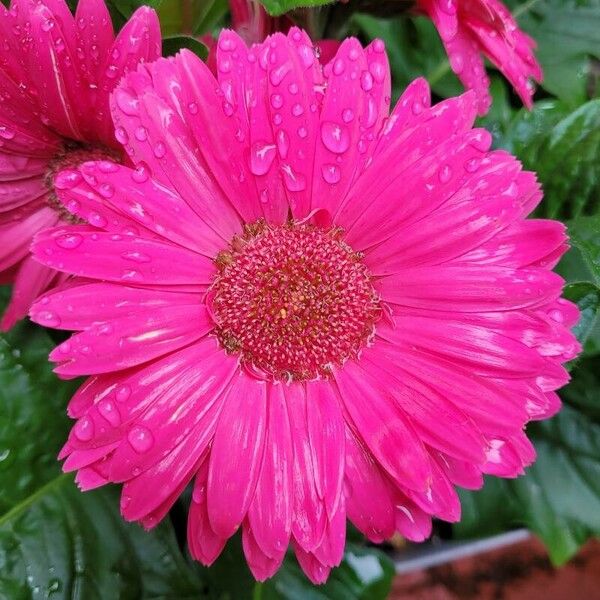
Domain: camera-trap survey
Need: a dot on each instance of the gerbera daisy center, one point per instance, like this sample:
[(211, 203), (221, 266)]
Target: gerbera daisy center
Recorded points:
[(293, 300), (71, 156)]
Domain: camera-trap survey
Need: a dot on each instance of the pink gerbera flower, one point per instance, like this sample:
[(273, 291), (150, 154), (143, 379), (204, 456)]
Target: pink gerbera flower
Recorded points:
[(471, 29), (56, 74), (315, 308)]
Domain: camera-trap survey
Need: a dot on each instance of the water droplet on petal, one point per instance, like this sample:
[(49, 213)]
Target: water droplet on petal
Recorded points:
[(121, 135), (366, 81), (378, 46), (136, 256), (69, 241), (106, 190), (378, 71), (97, 220), (84, 429), (445, 174), (331, 173), (66, 180), (141, 134), (193, 108), (339, 66), (47, 318), (294, 182), (262, 155), (140, 438), (159, 150), (141, 173), (335, 137), (110, 412), (347, 115), (283, 143), (276, 101), (123, 393)]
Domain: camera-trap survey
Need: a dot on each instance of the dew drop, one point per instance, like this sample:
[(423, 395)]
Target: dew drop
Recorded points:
[(159, 150), (141, 134), (97, 220), (366, 81), (110, 412), (294, 182), (283, 143), (66, 180), (136, 256), (123, 393), (121, 135), (69, 241), (6, 133), (47, 318), (106, 190), (347, 115), (262, 155), (141, 173), (193, 108), (297, 110), (276, 101), (378, 46), (339, 66), (444, 174), (84, 429), (378, 71), (140, 438), (335, 137), (331, 173)]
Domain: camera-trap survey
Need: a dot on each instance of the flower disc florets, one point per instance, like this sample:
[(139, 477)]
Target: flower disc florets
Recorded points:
[(293, 300)]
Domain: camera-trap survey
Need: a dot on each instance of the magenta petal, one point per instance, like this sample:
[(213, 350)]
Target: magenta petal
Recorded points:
[(270, 514), (369, 498), (236, 455), (386, 431), (262, 565), (124, 258), (309, 512), (205, 545)]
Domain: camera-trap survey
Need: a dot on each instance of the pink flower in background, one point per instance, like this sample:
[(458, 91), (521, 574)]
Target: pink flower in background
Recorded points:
[(316, 309), (56, 75), (472, 29)]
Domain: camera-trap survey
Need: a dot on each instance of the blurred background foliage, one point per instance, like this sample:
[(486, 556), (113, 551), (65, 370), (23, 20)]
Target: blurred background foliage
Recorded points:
[(58, 543)]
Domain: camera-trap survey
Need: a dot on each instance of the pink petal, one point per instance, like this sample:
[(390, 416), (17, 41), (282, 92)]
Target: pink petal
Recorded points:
[(325, 427), (205, 545), (130, 341), (309, 512), (127, 200), (368, 495), (312, 567), (270, 514), (139, 41), (261, 564), (120, 258), (385, 430), (236, 455), (72, 306), (468, 288), (31, 280), (158, 137)]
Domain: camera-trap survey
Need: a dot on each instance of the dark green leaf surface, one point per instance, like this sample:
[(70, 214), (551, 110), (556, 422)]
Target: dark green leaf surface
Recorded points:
[(173, 44), (568, 34), (278, 7), (563, 149), (56, 542)]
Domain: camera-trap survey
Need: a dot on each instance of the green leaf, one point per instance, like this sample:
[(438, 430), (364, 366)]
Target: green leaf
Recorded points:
[(567, 33), (190, 16), (173, 44), (62, 543), (558, 498), (563, 149), (56, 542), (126, 8), (365, 574), (587, 297), (585, 235), (279, 7)]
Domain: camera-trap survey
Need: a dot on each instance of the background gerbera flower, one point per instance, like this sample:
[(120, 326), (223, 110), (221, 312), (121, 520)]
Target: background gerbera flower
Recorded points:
[(316, 309), (472, 29), (56, 74)]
